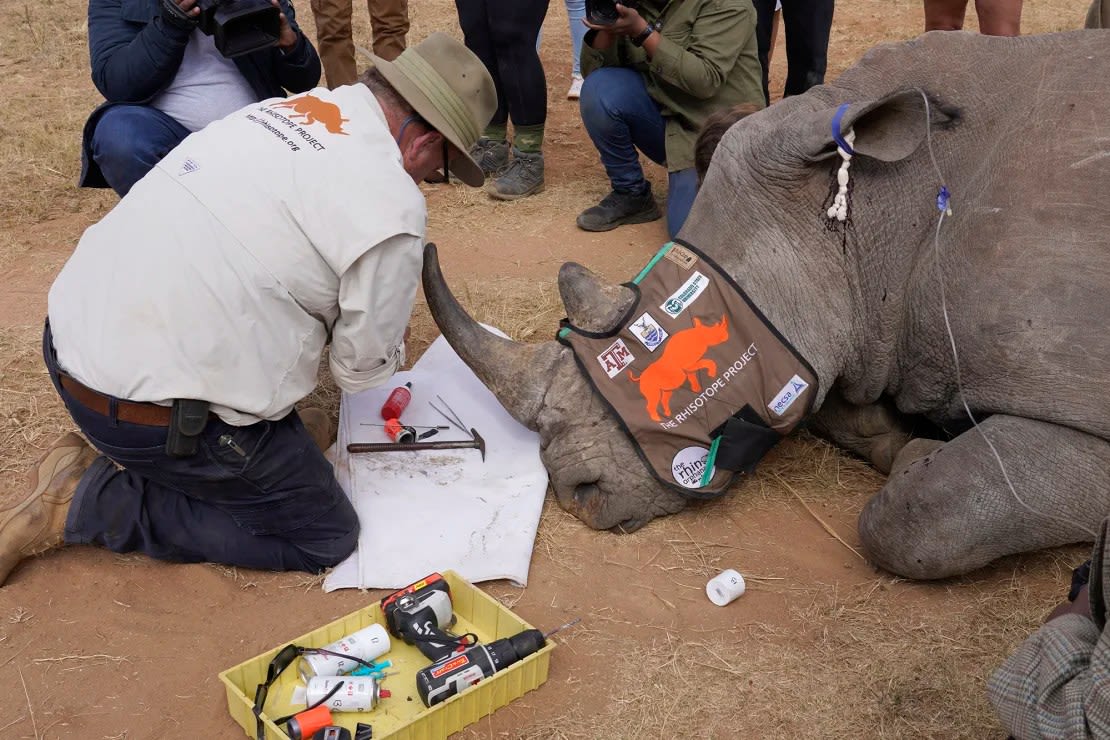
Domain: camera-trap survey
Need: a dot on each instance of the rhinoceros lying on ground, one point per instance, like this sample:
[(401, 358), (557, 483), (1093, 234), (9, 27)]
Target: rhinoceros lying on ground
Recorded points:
[(1021, 133)]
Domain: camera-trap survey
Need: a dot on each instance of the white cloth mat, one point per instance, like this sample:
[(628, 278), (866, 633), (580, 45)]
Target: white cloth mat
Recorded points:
[(437, 509)]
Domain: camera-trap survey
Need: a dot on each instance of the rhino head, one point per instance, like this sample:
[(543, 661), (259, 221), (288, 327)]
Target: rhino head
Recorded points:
[(595, 471)]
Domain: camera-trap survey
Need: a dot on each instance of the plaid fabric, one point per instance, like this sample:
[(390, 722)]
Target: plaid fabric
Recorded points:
[(1057, 683)]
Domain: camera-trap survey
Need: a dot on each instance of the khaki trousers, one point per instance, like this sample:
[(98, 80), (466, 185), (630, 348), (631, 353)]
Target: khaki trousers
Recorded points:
[(389, 22)]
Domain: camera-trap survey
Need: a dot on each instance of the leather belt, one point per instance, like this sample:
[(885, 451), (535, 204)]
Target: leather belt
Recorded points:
[(147, 414)]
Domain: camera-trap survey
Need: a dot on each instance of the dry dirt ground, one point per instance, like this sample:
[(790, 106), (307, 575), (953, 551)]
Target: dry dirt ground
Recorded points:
[(98, 645)]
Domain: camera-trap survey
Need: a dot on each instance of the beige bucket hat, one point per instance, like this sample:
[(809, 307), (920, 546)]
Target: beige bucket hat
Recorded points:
[(450, 88)]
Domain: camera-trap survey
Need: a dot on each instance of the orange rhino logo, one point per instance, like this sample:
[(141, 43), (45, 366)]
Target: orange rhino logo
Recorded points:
[(683, 356), (312, 109)]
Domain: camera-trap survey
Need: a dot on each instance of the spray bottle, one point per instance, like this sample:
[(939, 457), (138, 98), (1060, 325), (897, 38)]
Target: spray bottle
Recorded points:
[(397, 402)]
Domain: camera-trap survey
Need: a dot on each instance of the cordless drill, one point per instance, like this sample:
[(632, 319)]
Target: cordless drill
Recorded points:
[(420, 614), (440, 681)]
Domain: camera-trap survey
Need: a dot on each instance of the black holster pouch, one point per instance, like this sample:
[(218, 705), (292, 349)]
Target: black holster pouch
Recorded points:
[(187, 421), (745, 439)]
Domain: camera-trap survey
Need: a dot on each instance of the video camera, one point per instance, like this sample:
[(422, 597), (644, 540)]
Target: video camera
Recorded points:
[(604, 12), (239, 26)]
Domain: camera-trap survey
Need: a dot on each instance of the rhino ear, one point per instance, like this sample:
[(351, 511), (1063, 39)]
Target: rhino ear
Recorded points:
[(888, 129)]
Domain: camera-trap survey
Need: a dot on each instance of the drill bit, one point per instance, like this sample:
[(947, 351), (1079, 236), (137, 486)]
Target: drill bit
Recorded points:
[(560, 628)]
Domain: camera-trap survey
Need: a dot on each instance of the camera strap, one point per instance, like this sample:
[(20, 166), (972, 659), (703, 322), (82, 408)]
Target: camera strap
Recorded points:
[(177, 17), (657, 23)]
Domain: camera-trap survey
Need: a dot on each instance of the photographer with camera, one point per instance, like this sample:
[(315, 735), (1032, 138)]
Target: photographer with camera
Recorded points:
[(159, 65), (193, 317), (654, 73), (1057, 683)]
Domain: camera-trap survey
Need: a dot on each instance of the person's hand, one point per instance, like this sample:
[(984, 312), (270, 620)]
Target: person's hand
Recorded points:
[(287, 37), (629, 23), (1081, 606), (188, 7)]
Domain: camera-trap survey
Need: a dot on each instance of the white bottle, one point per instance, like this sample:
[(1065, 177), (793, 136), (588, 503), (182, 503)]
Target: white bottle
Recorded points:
[(366, 644), (357, 694)]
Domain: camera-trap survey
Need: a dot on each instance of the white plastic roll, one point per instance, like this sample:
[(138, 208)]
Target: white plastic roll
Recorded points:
[(725, 587)]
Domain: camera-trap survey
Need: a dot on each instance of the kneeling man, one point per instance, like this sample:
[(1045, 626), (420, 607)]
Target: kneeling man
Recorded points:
[(192, 318)]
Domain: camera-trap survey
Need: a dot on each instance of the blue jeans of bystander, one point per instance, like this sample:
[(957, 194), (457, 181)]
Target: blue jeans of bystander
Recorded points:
[(621, 117), (576, 13), (130, 139)]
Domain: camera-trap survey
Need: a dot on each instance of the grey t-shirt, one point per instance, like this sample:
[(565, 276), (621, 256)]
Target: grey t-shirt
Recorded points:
[(207, 86)]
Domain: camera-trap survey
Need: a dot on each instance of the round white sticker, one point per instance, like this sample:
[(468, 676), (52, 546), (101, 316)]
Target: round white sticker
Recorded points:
[(688, 465)]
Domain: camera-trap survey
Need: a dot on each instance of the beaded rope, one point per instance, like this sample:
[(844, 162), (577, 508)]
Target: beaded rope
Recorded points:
[(839, 208)]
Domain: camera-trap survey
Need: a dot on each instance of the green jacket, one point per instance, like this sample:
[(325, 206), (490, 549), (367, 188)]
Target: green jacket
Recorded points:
[(707, 60)]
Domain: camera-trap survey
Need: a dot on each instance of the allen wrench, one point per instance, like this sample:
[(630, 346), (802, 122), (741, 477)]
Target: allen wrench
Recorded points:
[(454, 419)]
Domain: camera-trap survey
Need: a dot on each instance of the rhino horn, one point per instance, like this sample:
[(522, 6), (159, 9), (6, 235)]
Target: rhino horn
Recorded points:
[(514, 372), (592, 304)]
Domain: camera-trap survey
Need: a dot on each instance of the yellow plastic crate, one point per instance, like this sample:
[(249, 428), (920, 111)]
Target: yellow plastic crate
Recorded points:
[(402, 716)]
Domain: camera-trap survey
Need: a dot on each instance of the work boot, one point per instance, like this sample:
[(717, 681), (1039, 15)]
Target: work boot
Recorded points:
[(36, 524), (490, 155), (523, 177), (319, 427), (617, 209)]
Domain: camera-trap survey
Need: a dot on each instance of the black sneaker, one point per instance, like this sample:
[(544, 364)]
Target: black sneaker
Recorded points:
[(617, 209)]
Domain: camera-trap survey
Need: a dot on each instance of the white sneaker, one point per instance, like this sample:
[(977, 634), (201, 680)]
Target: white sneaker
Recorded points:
[(575, 91)]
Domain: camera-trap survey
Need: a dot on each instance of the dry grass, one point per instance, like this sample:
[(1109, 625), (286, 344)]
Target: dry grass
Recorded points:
[(31, 415), (852, 671), (872, 658)]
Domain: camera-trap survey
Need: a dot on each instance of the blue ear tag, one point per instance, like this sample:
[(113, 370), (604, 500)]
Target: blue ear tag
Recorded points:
[(836, 135), (943, 196)]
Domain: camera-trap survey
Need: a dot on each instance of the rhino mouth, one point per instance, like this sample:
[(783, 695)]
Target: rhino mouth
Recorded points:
[(588, 503)]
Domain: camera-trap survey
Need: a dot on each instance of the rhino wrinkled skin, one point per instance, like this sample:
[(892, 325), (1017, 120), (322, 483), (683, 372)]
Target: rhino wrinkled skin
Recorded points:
[(1021, 132)]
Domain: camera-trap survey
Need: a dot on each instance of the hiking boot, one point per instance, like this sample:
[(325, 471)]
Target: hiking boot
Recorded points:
[(617, 209), (35, 524), (490, 155), (318, 425), (523, 177)]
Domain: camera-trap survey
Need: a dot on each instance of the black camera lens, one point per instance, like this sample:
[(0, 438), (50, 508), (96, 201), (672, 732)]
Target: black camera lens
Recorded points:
[(602, 12)]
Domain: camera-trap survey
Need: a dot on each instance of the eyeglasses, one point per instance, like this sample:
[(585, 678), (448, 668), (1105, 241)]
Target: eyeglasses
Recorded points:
[(281, 661)]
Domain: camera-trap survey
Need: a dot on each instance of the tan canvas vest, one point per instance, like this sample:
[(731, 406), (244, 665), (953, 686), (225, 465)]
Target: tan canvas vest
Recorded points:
[(701, 381)]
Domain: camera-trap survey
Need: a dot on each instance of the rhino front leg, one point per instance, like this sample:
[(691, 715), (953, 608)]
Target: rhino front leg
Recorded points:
[(951, 511), (876, 432)]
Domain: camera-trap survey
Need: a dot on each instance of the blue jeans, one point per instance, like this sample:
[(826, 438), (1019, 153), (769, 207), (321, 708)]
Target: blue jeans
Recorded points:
[(130, 139), (576, 13), (272, 504), (621, 117)]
